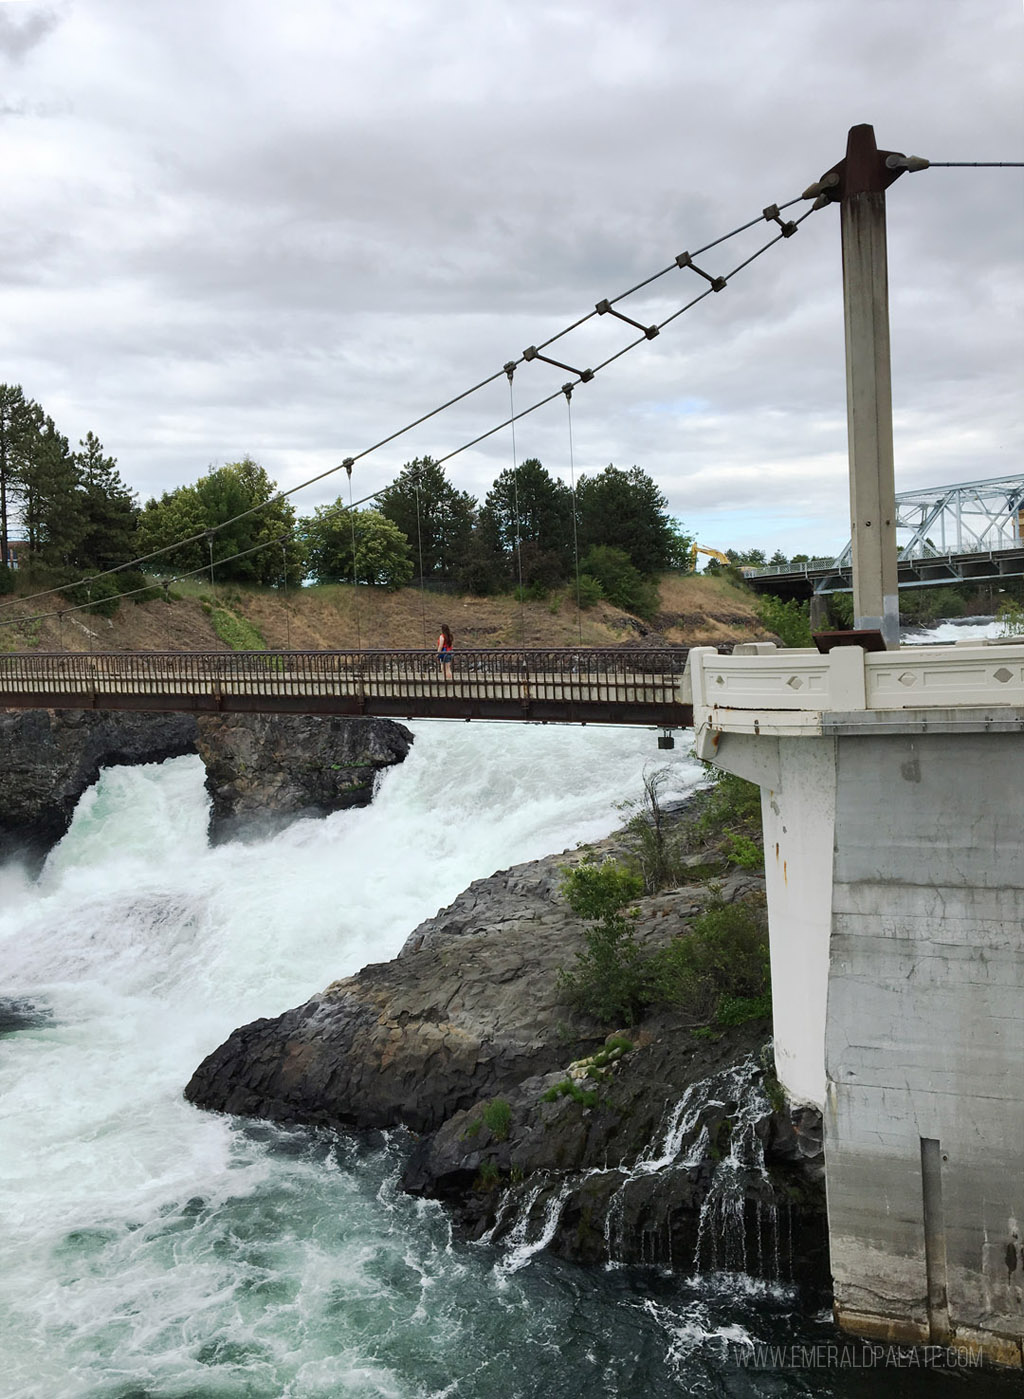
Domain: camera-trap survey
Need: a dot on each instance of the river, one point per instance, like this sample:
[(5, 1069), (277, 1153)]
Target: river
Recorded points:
[(150, 1249)]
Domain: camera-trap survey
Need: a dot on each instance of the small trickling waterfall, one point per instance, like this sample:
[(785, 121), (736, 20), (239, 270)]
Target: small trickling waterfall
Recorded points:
[(740, 1203), (699, 1198)]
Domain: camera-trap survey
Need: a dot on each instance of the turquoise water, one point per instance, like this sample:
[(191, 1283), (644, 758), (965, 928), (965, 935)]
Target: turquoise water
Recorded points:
[(150, 1249)]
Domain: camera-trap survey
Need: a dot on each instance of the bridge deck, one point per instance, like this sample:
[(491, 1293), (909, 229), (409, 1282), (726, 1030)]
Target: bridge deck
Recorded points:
[(564, 686)]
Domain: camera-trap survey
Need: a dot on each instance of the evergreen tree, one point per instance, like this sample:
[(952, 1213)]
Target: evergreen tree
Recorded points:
[(110, 511), (528, 514), (52, 504), (626, 510), (435, 517), (18, 430)]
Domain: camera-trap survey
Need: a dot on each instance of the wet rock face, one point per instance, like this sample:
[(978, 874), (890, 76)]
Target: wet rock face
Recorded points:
[(268, 768), (49, 757), (466, 1038), (259, 766)]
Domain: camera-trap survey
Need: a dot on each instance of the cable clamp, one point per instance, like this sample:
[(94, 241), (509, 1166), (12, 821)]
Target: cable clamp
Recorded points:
[(605, 308), (906, 162), (787, 226), (584, 375), (348, 464), (510, 369), (685, 260), (823, 190)]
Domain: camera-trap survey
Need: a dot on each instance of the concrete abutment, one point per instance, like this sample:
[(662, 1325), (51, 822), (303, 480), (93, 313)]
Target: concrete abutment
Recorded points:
[(893, 804)]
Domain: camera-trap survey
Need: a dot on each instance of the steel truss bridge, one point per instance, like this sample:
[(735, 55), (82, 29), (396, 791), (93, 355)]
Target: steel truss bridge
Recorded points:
[(611, 686), (972, 532)]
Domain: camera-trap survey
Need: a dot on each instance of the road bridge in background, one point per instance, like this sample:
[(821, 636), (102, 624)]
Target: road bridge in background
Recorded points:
[(609, 686), (965, 533)]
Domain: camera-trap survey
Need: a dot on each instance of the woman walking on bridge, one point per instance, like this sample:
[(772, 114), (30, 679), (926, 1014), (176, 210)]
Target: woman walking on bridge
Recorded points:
[(444, 650)]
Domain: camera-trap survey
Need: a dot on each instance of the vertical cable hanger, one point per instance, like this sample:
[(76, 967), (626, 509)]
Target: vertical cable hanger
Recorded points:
[(348, 464), (510, 370), (567, 390), (284, 585), (419, 540)]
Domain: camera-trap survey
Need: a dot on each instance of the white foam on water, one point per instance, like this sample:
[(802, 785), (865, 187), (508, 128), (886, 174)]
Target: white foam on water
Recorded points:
[(147, 1244)]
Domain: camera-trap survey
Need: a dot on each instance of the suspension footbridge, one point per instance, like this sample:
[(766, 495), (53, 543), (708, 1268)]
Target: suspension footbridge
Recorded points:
[(620, 686)]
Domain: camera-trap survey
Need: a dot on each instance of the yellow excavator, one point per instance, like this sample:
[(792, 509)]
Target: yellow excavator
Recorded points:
[(715, 554)]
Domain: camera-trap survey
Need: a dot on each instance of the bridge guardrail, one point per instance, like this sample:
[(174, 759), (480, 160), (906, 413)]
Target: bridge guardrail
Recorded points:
[(629, 684)]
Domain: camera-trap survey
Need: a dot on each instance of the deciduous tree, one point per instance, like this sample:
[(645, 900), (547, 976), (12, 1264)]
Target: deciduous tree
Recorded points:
[(382, 553)]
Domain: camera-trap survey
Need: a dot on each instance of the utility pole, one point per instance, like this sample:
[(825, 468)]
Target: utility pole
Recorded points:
[(859, 183)]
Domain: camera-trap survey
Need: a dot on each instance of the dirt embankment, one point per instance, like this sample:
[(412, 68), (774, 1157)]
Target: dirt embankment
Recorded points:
[(693, 611)]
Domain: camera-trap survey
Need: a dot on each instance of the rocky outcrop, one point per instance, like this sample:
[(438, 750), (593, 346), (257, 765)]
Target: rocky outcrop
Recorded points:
[(267, 768), (259, 767), (49, 757), (529, 1125)]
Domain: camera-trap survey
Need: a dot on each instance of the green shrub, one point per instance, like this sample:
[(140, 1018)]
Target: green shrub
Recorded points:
[(741, 850), (609, 981), (101, 596), (790, 621), (497, 1118), (589, 591), (654, 846), (928, 604), (732, 808), (568, 1088), (8, 579), (592, 891), (737, 1010), (621, 582), (487, 1176), (724, 958)]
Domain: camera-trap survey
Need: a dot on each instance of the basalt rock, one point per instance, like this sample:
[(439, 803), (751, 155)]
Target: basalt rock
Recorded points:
[(48, 757), (259, 767), (263, 769), (466, 1038)]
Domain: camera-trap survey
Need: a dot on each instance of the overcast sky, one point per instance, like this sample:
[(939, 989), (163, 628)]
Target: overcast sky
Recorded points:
[(287, 229)]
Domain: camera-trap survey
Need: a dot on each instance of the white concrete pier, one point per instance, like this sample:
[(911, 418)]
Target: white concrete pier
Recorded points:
[(893, 804)]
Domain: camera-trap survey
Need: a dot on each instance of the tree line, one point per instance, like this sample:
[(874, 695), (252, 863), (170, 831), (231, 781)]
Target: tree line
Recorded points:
[(531, 533), (68, 509)]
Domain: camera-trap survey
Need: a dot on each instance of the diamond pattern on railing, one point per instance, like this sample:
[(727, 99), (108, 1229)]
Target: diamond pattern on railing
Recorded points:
[(1002, 675), (907, 678), (795, 683)]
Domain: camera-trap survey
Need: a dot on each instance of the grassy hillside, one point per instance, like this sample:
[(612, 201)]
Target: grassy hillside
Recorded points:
[(693, 610)]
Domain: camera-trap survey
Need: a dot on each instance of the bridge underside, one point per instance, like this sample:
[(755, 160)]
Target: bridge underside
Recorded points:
[(930, 572), (544, 711)]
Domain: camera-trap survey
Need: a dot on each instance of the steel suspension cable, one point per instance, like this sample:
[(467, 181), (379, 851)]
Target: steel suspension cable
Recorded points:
[(408, 427), (632, 345), (715, 284)]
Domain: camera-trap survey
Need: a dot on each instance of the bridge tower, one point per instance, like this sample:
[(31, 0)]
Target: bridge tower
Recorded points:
[(892, 799)]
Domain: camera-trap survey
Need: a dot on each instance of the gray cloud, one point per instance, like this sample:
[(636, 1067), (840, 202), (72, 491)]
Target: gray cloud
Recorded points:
[(20, 33), (288, 230)]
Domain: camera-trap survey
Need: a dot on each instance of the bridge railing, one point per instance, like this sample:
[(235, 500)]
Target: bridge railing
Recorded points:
[(372, 681)]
